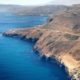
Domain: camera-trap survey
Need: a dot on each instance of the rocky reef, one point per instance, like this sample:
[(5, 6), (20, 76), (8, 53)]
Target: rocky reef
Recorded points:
[(59, 39)]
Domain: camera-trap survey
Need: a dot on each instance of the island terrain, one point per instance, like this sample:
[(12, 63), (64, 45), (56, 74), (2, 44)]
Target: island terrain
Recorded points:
[(58, 39)]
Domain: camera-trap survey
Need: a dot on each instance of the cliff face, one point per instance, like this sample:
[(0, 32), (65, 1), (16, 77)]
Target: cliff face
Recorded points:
[(63, 46), (59, 39)]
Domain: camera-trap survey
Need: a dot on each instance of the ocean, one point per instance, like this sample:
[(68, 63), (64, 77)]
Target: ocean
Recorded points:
[(18, 60)]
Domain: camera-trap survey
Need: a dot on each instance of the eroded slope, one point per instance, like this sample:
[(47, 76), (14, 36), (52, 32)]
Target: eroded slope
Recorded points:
[(59, 39)]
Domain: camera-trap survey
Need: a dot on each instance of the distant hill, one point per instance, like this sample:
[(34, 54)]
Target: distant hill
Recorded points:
[(32, 10), (68, 20)]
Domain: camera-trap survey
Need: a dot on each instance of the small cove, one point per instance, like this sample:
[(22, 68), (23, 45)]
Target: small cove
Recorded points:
[(18, 60)]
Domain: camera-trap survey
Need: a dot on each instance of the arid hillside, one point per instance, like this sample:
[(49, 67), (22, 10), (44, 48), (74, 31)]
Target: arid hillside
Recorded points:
[(68, 20), (59, 38)]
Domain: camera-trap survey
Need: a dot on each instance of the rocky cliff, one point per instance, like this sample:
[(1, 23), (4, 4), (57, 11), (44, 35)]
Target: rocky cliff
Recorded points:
[(59, 38)]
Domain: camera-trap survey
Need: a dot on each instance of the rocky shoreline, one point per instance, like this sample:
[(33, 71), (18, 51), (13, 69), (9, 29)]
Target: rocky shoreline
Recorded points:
[(59, 39), (44, 47)]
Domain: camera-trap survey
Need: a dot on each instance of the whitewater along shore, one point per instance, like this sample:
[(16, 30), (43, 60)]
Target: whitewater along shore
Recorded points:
[(59, 39)]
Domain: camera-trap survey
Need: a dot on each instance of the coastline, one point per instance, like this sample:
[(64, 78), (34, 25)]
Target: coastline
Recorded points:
[(37, 34)]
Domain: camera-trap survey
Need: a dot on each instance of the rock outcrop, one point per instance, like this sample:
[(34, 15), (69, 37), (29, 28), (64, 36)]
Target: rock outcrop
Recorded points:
[(59, 39)]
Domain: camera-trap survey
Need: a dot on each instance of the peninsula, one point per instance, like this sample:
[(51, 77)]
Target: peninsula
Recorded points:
[(59, 39)]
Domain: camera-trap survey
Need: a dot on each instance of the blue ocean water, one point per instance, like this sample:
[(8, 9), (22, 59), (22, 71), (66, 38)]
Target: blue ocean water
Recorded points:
[(18, 61)]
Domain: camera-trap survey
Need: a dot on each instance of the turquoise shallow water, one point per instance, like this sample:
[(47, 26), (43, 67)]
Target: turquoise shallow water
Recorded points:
[(18, 61)]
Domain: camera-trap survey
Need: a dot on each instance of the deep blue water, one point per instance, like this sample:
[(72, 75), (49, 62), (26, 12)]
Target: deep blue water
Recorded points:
[(11, 21), (18, 61)]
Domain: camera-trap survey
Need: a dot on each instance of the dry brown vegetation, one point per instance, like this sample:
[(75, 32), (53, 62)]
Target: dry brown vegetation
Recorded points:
[(59, 38)]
